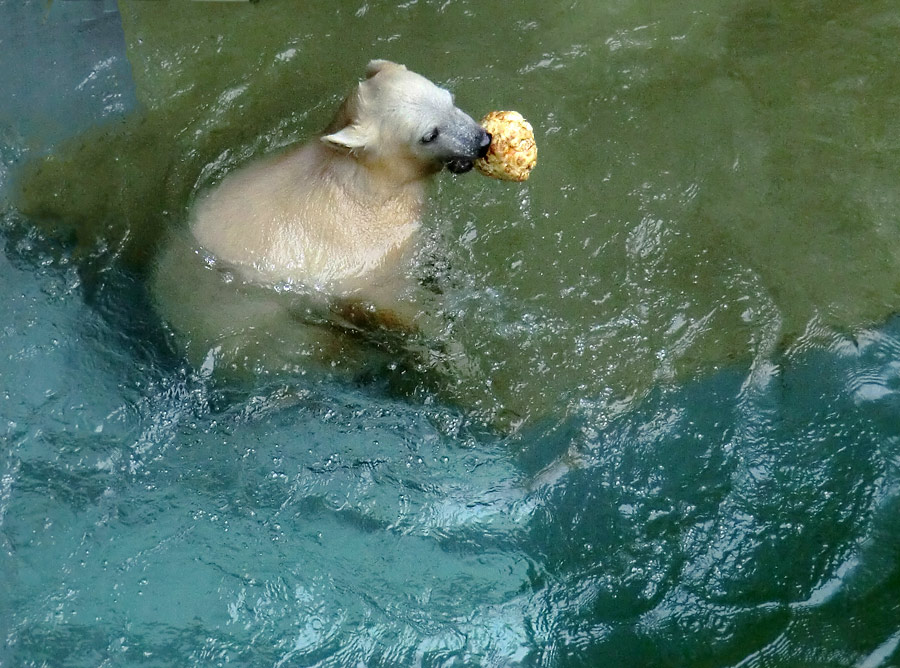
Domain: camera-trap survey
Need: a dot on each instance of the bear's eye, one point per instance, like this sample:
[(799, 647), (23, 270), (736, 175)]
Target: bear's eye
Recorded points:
[(430, 136)]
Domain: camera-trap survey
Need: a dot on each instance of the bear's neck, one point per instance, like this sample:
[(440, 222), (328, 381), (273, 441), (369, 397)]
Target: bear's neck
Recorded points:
[(376, 183)]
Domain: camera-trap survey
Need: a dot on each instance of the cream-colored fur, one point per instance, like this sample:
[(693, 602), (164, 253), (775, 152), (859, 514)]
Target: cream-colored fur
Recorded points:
[(335, 232), (326, 230)]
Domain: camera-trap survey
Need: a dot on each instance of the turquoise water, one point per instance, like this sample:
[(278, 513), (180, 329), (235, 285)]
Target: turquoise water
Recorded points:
[(689, 306)]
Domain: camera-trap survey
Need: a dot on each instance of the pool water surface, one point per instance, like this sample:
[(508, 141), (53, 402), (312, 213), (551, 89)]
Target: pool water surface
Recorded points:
[(678, 442)]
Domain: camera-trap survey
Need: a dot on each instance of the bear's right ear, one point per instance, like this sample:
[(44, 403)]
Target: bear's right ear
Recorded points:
[(376, 66), (352, 138)]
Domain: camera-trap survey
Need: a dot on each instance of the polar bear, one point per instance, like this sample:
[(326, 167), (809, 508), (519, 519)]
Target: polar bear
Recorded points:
[(286, 256)]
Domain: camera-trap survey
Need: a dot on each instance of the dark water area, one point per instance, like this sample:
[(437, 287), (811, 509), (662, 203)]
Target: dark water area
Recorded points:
[(690, 308)]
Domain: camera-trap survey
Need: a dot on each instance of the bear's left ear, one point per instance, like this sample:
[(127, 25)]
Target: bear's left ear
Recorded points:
[(376, 66), (352, 137)]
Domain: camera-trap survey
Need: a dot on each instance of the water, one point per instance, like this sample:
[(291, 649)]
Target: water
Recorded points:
[(688, 308)]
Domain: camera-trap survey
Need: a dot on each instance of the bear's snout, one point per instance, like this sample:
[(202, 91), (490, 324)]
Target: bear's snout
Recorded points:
[(476, 148)]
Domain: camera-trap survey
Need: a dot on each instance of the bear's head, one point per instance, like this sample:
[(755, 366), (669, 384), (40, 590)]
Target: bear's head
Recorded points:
[(401, 123)]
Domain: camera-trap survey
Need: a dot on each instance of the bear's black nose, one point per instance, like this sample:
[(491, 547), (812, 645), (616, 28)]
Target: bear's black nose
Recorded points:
[(485, 144)]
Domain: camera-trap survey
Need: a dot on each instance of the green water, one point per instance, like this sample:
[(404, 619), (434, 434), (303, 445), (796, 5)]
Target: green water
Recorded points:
[(712, 180), (688, 306)]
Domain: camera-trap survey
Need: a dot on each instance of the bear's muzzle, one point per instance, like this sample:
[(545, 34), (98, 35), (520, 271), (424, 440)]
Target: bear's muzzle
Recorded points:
[(460, 164)]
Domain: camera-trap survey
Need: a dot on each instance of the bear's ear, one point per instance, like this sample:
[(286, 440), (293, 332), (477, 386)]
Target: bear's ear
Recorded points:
[(376, 66), (352, 137)]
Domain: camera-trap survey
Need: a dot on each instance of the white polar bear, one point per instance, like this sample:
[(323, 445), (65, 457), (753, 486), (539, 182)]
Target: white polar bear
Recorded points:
[(286, 246)]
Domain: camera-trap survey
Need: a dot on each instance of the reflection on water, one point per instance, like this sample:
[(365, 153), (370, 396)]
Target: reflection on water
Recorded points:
[(690, 300)]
